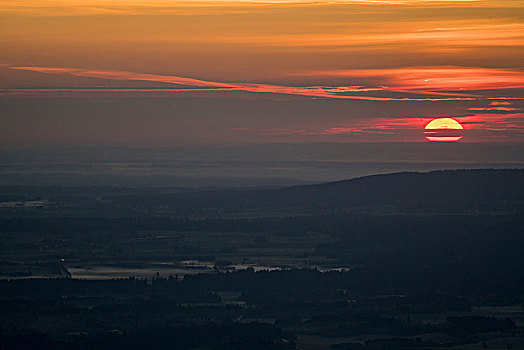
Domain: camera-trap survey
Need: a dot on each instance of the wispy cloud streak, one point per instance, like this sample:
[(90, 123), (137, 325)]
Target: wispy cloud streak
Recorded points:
[(335, 92), (82, 7)]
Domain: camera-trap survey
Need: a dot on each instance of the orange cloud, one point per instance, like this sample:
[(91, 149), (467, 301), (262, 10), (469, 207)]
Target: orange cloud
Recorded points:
[(463, 35)]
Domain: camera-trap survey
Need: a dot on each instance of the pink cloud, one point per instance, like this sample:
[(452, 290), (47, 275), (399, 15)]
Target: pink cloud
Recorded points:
[(502, 109), (498, 122), (429, 79), (500, 103)]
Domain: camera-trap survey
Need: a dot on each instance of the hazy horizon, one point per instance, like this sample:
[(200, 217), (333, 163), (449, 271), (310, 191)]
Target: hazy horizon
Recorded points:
[(239, 166)]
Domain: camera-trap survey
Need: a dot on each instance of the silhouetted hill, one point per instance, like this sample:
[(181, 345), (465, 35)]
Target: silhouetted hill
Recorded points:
[(475, 188), (448, 190)]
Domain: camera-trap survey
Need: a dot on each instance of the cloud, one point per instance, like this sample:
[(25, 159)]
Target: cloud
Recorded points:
[(487, 122), (500, 103), (111, 7), (430, 79), (457, 35), (122, 75), (500, 109), (512, 124), (354, 92), (514, 121), (339, 130)]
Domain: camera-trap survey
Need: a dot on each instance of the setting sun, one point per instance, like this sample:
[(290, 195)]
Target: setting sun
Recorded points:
[(443, 130)]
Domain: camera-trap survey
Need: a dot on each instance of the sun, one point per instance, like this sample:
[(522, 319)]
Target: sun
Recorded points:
[(443, 130)]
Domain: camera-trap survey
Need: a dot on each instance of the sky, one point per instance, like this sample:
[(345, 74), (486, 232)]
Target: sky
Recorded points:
[(159, 72)]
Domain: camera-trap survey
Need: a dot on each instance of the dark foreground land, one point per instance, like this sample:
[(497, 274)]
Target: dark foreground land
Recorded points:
[(400, 261)]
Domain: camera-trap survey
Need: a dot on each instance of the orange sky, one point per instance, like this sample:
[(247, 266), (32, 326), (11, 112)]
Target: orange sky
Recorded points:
[(460, 59)]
